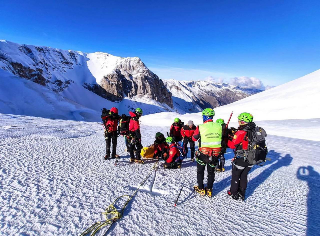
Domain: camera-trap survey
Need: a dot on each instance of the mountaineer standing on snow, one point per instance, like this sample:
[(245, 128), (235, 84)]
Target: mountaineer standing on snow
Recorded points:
[(187, 132), (134, 137), (175, 130), (110, 120), (240, 167), (209, 135)]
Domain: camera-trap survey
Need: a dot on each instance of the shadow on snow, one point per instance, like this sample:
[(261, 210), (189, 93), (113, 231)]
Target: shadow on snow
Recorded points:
[(312, 178)]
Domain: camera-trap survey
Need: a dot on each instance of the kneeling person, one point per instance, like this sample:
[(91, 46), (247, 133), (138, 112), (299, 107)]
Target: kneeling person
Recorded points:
[(160, 146), (173, 160)]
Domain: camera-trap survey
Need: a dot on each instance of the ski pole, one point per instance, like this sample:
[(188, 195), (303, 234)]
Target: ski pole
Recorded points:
[(229, 119), (175, 203)]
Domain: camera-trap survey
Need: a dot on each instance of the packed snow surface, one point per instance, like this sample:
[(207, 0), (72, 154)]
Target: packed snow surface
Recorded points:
[(54, 180)]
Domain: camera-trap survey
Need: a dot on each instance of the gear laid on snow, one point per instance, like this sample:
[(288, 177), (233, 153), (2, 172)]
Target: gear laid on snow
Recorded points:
[(112, 214)]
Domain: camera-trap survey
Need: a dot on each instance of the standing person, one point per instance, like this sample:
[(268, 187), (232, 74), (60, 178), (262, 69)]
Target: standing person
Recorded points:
[(175, 130), (134, 137), (240, 167), (160, 146), (187, 132), (173, 160), (209, 135), (110, 120), (223, 145)]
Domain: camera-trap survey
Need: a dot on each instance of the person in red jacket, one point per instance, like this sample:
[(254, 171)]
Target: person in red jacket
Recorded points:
[(240, 167), (110, 120), (187, 132), (134, 136), (175, 130), (160, 146), (173, 160)]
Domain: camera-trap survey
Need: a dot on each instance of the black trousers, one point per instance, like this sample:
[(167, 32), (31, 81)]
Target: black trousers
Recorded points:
[(200, 171), (111, 137), (239, 179), (134, 147), (192, 145), (222, 160)]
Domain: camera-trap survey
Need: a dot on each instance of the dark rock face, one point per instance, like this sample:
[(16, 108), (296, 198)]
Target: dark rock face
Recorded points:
[(131, 79), (28, 73), (50, 67)]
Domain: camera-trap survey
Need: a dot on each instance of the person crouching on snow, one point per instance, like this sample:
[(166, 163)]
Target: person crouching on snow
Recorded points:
[(160, 146), (173, 160)]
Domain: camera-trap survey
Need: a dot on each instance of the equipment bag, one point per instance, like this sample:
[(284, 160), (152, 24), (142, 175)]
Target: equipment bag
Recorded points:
[(124, 124), (147, 152), (257, 149)]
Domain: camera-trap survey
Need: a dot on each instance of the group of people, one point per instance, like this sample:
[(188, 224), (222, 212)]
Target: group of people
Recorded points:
[(213, 139), (130, 130)]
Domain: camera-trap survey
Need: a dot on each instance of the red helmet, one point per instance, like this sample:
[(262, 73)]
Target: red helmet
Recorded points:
[(114, 110)]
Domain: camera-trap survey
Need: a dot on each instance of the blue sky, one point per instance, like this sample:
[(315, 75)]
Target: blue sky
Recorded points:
[(275, 41)]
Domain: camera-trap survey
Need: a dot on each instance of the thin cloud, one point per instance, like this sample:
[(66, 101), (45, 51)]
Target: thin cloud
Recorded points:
[(247, 82)]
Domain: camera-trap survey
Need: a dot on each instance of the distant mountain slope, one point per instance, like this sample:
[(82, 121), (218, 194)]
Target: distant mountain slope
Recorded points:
[(193, 96), (78, 77)]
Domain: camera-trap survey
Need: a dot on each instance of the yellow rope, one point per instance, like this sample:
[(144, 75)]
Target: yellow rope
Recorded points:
[(111, 213)]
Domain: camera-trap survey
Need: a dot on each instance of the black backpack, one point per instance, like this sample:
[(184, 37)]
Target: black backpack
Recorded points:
[(124, 124), (257, 150)]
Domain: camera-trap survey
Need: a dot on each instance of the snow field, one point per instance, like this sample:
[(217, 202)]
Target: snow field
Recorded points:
[(55, 182)]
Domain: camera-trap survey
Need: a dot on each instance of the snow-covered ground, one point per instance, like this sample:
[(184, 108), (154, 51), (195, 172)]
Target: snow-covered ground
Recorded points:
[(54, 180)]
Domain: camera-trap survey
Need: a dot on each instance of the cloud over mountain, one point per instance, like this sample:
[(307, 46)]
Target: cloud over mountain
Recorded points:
[(247, 82)]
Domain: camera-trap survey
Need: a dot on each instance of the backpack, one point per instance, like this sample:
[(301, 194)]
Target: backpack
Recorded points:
[(124, 124), (257, 150)]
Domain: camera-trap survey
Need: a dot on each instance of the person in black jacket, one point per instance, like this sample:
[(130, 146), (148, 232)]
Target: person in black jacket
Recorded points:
[(220, 166)]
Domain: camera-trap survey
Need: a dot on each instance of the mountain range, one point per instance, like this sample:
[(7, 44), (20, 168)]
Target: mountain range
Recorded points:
[(83, 83)]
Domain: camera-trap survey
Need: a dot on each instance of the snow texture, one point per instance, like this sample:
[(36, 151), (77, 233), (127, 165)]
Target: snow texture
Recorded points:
[(54, 180)]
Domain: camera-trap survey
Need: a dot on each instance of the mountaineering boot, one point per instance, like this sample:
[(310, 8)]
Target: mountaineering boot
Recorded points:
[(222, 169), (107, 156), (132, 160), (234, 196), (201, 191), (208, 192), (139, 161), (115, 156), (242, 194), (218, 170), (242, 197)]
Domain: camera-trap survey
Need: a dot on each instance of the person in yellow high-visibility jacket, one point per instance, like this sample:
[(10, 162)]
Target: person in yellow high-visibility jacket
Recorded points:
[(209, 135)]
